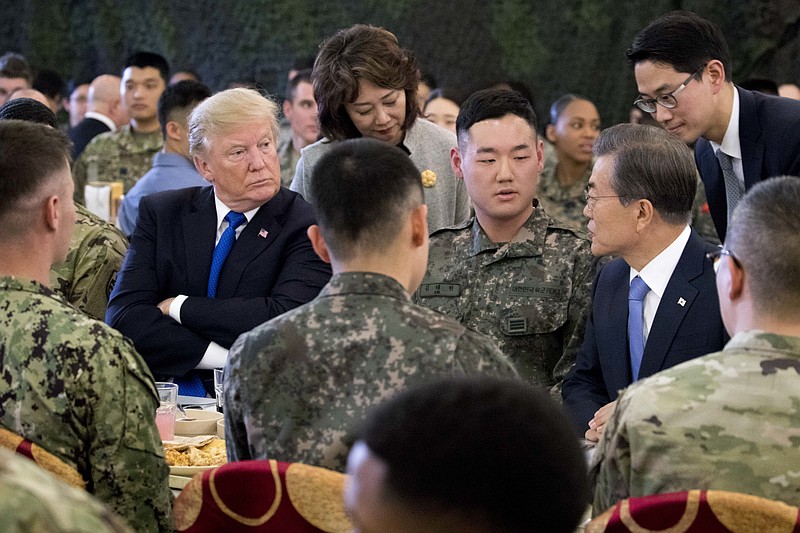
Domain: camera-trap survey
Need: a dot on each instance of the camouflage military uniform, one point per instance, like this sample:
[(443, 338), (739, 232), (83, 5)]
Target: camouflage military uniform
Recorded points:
[(121, 155), (297, 386), (288, 159), (33, 500), (726, 421), (563, 204), (531, 296), (78, 389), (95, 256)]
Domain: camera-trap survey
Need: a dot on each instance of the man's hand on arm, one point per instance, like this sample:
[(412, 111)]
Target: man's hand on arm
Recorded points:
[(597, 425), (164, 306)]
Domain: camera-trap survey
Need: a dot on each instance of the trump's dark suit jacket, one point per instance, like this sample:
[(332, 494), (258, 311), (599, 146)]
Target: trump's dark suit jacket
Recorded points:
[(687, 325), (769, 133), (83, 132), (271, 268)]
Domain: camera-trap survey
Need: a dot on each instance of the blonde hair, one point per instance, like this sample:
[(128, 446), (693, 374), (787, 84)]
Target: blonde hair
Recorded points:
[(226, 111)]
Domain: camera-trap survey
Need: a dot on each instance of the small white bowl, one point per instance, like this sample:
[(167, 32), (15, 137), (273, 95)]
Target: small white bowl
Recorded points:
[(204, 423), (221, 428)]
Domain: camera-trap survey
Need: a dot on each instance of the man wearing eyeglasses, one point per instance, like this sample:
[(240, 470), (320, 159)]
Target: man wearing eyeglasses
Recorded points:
[(683, 72), (655, 305), (728, 420)]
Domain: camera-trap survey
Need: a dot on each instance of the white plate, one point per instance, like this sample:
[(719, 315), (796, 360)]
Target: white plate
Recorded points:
[(178, 482), (188, 471)]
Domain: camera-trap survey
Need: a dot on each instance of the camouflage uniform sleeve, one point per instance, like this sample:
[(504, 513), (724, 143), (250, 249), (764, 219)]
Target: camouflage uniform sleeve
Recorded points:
[(97, 262), (609, 471), (128, 468), (32, 500), (580, 303)]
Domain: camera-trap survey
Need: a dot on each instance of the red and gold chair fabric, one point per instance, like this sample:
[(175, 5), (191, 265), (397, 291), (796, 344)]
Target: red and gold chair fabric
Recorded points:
[(262, 496), (41, 457), (698, 511)]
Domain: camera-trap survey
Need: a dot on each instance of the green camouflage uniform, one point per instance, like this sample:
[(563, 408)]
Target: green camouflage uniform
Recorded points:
[(78, 389), (33, 500), (563, 204), (95, 256), (725, 421), (296, 386), (288, 159), (120, 155), (531, 296)]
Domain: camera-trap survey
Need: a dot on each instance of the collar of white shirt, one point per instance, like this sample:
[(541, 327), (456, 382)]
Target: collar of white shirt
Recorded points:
[(657, 274), (222, 224)]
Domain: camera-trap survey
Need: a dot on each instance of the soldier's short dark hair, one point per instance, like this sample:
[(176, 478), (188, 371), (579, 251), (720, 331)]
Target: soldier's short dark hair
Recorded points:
[(30, 154), (14, 66), (29, 110), (291, 87), (360, 52), (149, 59), (651, 164), (488, 104), (178, 100), (361, 191), (50, 83), (496, 451), (762, 237), (682, 40)]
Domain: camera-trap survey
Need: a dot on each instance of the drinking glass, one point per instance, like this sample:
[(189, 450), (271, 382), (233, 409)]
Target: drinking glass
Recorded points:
[(219, 376), (168, 406)]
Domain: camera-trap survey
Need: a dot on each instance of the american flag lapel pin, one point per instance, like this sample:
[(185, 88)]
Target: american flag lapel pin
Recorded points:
[(681, 302), (263, 233)]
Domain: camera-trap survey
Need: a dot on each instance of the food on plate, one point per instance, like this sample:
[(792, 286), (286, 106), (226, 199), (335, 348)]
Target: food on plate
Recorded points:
[(205, 452)]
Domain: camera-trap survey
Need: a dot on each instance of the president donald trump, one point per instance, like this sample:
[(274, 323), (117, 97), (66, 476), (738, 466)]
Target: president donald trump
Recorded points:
[(206, 264)]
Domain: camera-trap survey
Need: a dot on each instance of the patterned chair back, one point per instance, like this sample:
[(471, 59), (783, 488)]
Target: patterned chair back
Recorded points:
[(698, 511), (41, 457), (263, 496)]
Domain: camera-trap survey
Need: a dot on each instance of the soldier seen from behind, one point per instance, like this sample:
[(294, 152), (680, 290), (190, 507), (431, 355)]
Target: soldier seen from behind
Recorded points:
[(296, 385)]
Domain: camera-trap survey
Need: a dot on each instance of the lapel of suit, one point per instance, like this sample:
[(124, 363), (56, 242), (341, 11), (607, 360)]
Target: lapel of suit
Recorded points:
[(750, 138), (678, 298), (256, 237), (199, 235)]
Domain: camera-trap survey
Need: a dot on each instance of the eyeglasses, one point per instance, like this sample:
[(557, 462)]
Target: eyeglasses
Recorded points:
[(592, 200), (668, 101), (716, 257)]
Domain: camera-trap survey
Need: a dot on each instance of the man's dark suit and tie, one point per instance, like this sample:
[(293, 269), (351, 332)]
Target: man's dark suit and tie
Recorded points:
[(104, 112), (163, 299), (757, 134), (769, 133), (86, 130), (639, 203)]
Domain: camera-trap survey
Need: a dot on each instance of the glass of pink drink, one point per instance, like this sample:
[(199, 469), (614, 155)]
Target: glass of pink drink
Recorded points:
[(168, 406)]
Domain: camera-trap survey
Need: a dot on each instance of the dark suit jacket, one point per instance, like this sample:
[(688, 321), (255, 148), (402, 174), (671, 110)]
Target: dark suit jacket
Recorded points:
[(86, 130), (679, 332), (769, 133), (271, 268)]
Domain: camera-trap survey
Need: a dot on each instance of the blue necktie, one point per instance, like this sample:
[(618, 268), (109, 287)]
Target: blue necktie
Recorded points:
[(191, 384), (636, 296), (223, 248)]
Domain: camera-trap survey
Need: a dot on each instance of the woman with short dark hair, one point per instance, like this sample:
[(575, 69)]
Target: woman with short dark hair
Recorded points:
[(365, 85)]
